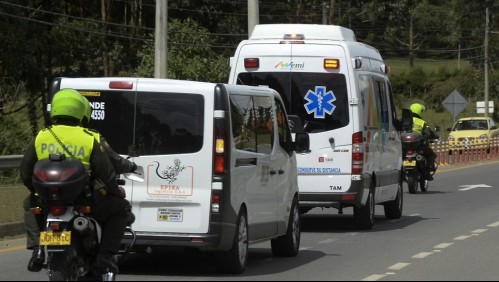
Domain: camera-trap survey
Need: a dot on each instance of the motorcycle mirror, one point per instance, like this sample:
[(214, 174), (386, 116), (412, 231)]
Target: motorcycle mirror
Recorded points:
[(137, 175)]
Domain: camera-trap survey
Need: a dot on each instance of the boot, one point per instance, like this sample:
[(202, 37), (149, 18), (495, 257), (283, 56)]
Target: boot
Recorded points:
[(37, 260), (105, 262)]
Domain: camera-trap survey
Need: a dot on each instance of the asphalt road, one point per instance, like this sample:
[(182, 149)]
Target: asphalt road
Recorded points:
[(450, 232)]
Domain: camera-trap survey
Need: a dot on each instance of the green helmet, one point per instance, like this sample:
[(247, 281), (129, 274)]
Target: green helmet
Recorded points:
[(418, 109), (88, 109), (68, 103)]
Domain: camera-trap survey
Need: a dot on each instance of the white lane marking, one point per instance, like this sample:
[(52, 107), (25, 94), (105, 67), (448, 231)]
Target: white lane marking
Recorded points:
[(327, 241), (462, 238), (443, 246), (422, 255), (374, 277), (305, 248), (399, 266), (471, 187), (479, 231), (496, 224), (416, 214)]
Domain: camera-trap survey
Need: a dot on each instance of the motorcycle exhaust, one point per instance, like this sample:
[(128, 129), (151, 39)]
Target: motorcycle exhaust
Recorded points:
[(83, 225)]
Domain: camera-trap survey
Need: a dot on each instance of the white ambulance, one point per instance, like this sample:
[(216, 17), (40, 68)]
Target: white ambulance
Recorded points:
[(338, 91), (219, 163)]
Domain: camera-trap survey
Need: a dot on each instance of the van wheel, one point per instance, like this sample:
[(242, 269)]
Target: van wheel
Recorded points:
[(393, 209), (288, 245), (364, 216), (234, 261)]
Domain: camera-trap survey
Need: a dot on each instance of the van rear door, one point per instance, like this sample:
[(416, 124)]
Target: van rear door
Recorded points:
[(173, 139)]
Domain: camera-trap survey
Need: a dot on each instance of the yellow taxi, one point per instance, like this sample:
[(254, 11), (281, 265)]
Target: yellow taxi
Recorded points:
[(471, 132)]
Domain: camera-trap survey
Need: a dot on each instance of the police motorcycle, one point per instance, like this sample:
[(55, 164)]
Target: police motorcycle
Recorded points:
[(415, 167), (71, 236)]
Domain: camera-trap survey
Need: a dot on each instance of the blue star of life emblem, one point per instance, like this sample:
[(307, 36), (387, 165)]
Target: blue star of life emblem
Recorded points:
[(320, 102)]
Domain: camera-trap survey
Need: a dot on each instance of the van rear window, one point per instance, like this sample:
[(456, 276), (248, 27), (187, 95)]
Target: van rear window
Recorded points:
[(149, 123), (319, 99)]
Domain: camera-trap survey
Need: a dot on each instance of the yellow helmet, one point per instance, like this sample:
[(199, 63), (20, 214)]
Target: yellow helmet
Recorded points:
[(418, 109)]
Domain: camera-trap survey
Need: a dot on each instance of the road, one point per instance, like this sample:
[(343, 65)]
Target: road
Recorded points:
[(449, 233)]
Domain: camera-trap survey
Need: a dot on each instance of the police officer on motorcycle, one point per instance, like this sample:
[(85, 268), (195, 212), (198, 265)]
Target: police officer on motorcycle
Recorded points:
[(422, 127), (68, 109)]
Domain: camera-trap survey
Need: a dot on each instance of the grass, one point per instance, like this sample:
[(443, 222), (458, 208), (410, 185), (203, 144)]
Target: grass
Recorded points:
[(11, 203)]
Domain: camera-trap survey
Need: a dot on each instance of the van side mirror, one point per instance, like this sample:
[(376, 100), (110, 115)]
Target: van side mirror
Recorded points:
[(407, 121), (295, 124), (302, 141)]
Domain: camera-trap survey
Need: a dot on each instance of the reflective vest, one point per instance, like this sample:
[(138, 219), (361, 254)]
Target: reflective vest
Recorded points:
[(78, 142), (418, 125)]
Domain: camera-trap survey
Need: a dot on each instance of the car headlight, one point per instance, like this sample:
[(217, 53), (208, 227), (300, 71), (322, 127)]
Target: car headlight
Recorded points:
[(451, 138)]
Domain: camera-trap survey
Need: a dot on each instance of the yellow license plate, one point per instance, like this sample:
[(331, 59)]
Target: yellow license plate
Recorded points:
[(55, 238), (409, 163)]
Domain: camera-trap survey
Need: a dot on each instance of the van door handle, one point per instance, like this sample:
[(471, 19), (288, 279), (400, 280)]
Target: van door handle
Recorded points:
[(273, 172), (281, 172)]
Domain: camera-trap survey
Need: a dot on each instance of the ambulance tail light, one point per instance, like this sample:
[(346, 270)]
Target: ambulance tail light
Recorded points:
[(251, 63), (121, 84), (357, 153), (331, 64), (293, 39)]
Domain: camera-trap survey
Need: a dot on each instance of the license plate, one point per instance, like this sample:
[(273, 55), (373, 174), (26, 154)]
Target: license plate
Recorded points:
[(409, 163), (55, 238), (170, 215)]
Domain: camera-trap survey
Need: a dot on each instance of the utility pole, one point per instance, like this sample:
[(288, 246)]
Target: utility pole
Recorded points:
[(253, 15), (324, 19), (486, 63), (161, 40)]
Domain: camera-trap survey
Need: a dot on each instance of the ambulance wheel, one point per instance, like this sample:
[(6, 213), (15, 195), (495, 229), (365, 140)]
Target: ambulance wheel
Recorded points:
[(364, 216)]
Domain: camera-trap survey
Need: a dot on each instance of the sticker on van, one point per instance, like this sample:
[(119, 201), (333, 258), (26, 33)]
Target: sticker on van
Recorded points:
[(320, 102), (289, 66), (175, 180)]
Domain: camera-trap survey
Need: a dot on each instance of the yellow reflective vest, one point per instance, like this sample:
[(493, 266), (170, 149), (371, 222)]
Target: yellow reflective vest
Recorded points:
[(78, 142), (418, 125)]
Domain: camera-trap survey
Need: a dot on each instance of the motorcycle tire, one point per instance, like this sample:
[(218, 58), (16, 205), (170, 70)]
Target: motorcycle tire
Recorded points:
[(423, 183), (412, 184), (62, 267)]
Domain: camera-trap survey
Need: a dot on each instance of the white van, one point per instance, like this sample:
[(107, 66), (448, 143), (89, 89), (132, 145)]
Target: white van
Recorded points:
[(219, 163), (338, 90)]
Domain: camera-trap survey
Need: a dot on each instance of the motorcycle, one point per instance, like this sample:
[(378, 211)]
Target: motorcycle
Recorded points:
[(71, 236), (415, 165)]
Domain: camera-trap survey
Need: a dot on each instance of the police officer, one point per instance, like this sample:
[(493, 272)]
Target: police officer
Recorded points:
[(68, 108), (422, 127)]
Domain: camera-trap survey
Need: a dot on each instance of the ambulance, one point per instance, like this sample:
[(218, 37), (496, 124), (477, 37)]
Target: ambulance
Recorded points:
[(337, 90)]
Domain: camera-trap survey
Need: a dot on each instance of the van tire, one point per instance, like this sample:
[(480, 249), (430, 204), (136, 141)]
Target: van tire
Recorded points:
[(234, 261), (288, 245), (393, 209), (364, 216)]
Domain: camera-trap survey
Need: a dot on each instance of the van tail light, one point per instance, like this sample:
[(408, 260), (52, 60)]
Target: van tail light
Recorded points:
[(357, 153), (219, 150), (215, 203)]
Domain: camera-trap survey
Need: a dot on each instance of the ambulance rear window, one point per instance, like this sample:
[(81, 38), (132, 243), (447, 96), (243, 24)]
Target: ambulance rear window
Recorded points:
[(319, 99)]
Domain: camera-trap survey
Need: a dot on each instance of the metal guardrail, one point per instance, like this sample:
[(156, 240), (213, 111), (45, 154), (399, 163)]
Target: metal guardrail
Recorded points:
[(10, 161)]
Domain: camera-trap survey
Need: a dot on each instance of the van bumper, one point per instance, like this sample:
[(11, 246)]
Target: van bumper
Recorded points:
[(159, 241), (356, 196)]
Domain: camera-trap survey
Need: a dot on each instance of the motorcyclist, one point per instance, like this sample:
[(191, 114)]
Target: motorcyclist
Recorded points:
[(422, 127), (68, 108)]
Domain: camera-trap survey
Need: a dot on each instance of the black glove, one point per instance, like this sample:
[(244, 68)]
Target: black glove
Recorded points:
[(133, 168)]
